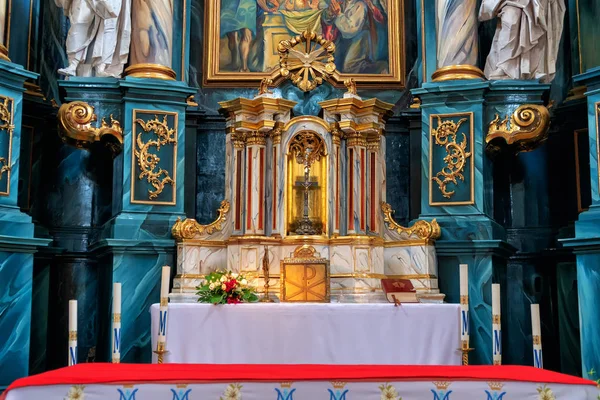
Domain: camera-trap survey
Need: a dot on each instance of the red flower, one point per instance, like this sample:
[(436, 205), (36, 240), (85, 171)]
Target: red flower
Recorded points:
[(233, 300), (230, 285)]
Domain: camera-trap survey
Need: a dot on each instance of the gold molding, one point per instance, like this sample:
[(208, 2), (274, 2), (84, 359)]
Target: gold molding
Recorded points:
[(455, 165), (189, 228), (214, 77), (526, 129), (75, 127), (409, 243), (421, 228), (148, 162), (152, 71), (7, 113), (457, 72)]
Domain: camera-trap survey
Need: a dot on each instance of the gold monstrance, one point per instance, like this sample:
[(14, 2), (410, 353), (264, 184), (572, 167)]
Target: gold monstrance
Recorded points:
[(307, 148)]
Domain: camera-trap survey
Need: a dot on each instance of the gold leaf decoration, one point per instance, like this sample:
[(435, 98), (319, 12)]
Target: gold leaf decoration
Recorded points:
[(456, 159), (147, 161), (422, 229), (6, 124), (525, 129), (189, 228)]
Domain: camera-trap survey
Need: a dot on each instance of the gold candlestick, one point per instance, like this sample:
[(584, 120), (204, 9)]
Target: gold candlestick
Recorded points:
[(160, 352), (465, 352), (265, 263)]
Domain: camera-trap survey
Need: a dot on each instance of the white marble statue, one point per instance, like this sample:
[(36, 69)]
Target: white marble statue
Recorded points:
[(527, 38), (99, 36), (456, 32)]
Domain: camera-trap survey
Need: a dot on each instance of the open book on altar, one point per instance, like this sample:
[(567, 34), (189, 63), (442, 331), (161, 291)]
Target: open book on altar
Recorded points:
[(399, 291)]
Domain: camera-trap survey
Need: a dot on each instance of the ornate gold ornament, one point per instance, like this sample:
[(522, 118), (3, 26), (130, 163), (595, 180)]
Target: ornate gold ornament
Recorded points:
[(308, 68), (189, 228), (525, 129), (456, 160), (457, 72), (351, 86), (191, 101), (421, 228), (415, 103), (75, 127), (147, 161), (6, 125), (153, 71), (307, 147), (264, 86)]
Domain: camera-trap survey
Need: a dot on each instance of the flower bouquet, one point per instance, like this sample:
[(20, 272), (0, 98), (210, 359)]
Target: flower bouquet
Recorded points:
[(226, 288)]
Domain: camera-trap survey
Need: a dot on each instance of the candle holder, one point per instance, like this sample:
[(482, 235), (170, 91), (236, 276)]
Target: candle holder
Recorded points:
[(465, 350), (265, 267), (160, 352)]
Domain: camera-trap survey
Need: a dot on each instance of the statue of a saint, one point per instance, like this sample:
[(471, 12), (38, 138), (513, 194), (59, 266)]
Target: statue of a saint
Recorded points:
[(99, 36), (527, 38)]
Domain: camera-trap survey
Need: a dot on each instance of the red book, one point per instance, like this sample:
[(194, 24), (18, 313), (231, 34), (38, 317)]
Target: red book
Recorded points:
[(399, 291)]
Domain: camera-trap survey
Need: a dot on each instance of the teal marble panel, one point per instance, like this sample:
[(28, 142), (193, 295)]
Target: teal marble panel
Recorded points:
[(19, 40), (588, 12), (568, 319), (16, 272)]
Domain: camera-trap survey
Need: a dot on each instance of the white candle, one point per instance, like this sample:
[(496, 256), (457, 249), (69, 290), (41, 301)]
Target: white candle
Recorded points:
[(164, 304), (72, 332), (116, 323), (464, 304), (536, 331), (496, 326)]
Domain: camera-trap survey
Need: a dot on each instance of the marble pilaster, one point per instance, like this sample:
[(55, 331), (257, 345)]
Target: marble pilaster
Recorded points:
[(255, 184)]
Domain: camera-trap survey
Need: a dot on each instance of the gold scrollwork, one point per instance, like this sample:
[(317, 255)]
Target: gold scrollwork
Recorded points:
[(456, 160), (6, 124), (189, 228), (147, 161), (421, 228), (264, 86), (526, 129), (75, 127)]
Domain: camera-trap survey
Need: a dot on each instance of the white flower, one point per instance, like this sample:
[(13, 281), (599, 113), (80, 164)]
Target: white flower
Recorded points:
[(211, 286), (234, 275), (223, 287), (76, 393), (223, 279), (233, 392), (244, 282)]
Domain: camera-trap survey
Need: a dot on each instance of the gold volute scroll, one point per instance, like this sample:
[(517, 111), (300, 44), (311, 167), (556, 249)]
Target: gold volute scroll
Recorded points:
[(422, 229), (4, 53), (457, 72), (75, 127), (264, 86), (524, 130), (152, 71), (189, 228)]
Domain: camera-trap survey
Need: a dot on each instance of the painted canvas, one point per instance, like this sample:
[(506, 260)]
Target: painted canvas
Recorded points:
[(242, 37)]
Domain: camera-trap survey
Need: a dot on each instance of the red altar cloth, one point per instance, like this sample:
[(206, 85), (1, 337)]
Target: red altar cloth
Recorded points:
[(98, 373)]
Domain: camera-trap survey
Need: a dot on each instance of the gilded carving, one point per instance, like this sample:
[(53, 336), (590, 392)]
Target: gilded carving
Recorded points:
[(264, 86), (6, 125), (306, 69), (256, 138), (421, 229), (276, 132), (456, 159), (189, 228), (351, 86), (147, 161), (526, 128), (75, 127)]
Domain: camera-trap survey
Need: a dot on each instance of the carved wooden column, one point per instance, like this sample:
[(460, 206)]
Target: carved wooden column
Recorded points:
[(255, 183)]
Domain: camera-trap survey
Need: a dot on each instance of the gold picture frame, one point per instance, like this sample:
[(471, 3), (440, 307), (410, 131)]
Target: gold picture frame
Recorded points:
[(216, 76)]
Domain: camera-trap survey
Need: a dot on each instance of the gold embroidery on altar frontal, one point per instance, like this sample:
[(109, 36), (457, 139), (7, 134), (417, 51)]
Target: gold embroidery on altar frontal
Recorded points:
[(458, 155), (7, 126), (149, 162)]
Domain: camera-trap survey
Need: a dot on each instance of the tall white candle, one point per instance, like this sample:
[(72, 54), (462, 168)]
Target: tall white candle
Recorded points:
[(496, 326), (464, 305), (116, 323), (164, 304), (72, 332), (536, 331)]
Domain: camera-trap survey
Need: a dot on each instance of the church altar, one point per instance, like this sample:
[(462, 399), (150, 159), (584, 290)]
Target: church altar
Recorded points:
[(289, 333), (298, 382)]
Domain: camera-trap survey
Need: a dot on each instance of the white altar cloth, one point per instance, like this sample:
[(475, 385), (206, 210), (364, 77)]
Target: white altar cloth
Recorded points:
[(332, 333)]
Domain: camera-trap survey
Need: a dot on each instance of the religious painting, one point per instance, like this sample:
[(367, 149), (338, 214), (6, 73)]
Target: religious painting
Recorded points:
[(241, 38)]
